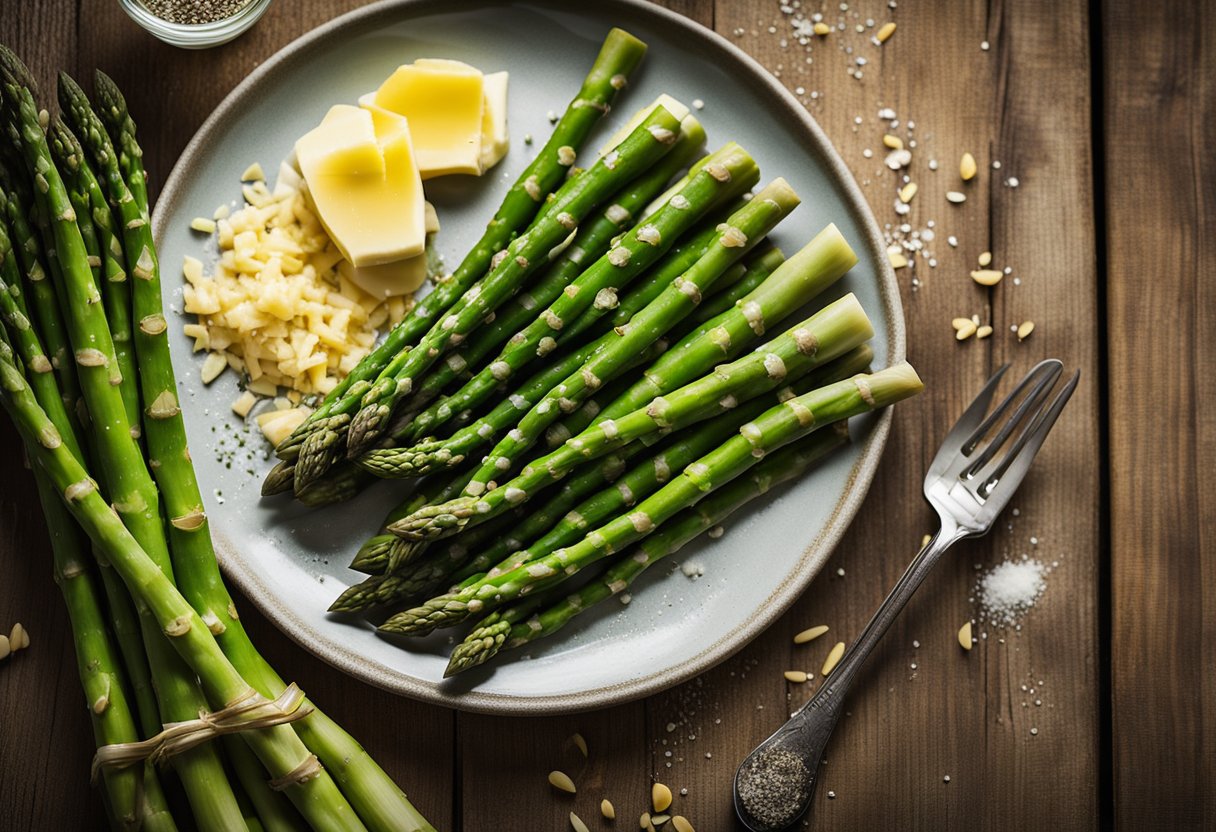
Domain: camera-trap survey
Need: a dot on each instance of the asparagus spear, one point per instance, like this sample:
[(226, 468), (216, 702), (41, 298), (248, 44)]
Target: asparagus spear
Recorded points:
[(752, 272), (529, 620), (727, 173), (380, 804), (133, 794), (375, 553), (90, 202), (735, 238), (832, 331), (818, 265), (687, 446), (776, 427), (646, 145), (53, 340), (618, 57), (279, 749), (126, 479), (590, 243)]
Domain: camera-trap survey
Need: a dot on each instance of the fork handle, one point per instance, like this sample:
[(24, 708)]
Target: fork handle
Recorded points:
[(811, 728)]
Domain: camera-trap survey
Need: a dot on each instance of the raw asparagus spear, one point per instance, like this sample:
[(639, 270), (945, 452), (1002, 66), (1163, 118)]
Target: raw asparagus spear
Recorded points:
[(133, 795), (776, 427), (618, 57), (645, 146), (734, 239), (90, 202), (588, 245), (279, 749), (528, 620), (833, 331), (380, 804), (126, 479)]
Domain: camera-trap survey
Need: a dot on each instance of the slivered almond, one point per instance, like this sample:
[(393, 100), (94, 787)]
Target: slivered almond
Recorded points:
[(893, 142)]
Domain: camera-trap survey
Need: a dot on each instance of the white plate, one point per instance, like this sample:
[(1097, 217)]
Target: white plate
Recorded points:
[(291, 562)]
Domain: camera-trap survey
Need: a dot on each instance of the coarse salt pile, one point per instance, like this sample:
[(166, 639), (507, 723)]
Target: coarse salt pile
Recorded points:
[(1010, 589)]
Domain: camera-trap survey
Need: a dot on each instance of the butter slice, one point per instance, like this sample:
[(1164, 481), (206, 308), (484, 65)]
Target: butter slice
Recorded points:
[(494, 140), (363, 179), (444, 102), (676, 108), (385, 280)]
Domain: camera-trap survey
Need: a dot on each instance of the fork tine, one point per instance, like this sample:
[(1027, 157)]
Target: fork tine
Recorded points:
[(1016, 462), (1051, 366), (1031, 403), (966, 423)]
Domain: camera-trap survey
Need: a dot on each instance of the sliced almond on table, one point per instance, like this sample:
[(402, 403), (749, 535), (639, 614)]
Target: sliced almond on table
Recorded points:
[(660, 797), (956, 197), (579, 743), (810, 634), (679, 822), (829, 664), (5, 649), (18, 638), (561, 781), (964, 636)]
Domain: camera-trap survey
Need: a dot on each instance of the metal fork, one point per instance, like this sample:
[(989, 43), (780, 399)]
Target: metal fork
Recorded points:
[(971, 480)]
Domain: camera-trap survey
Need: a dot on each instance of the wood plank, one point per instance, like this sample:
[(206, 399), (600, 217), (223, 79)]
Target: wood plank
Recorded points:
[(921, 713), (1159, 108)]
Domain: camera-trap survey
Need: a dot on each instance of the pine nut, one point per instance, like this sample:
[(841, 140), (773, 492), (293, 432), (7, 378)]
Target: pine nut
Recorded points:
[(829, 664), (660, 796), (985, 258), (956, 197), (885, 32), (967, 167), (964, 636), (810, 634), (561, 780), (907, 192), (576, 823), (5, 649), (679, 822), (966, 331), (1024, 330), (822, 29), (893, 142), (987, 277), (795, 676), (983, 332), (579, 743), (607, 809)]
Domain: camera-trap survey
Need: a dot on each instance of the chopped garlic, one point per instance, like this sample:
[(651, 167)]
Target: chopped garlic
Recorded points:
[(244, 403), (277, 425)]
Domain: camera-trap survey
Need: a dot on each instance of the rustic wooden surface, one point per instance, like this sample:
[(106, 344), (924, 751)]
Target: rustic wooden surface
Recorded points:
[(925, 709)]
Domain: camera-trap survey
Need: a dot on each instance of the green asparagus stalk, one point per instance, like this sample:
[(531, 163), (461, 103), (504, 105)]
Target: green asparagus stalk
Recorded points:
[(133, 794), (589, 244), (531, 619), (775, 428), (377, 551), (751, 273), (645, 146), (727, 173), (618, 57), (831, 332), (127, 482), (686, 446), (819, 264), (51, 329), (278, 748), (380, 804), (426, 457), (90, 202), (735, 238), (44, 305)]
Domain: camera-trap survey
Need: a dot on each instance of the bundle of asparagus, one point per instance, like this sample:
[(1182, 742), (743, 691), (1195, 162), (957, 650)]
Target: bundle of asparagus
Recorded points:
[(86, 378)]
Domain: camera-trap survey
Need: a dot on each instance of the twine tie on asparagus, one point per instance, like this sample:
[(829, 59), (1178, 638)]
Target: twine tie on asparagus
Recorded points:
[(249, 712)]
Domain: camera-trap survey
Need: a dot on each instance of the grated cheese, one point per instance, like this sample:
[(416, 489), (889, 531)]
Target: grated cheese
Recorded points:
[(280, 306)]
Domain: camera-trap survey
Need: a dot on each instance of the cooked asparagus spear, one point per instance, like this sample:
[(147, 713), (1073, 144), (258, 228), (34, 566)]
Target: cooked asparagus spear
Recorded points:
[(776, 427), (531, 619), (618, 57), (742, 230), (832, 331)]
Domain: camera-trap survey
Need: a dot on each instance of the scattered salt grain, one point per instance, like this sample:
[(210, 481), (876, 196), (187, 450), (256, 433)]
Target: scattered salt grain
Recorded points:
[(1010, 589)]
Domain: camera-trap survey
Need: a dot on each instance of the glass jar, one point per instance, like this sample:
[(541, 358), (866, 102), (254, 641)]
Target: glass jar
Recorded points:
[(196, 35)]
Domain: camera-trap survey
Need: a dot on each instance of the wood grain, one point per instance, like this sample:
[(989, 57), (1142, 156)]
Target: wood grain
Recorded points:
[(1160, 221), (1025, 102)]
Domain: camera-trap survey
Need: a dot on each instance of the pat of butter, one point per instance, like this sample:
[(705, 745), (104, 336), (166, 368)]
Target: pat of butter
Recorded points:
[(676, 108), (444, 102), (364, 181), (494, 140), (387, 279)]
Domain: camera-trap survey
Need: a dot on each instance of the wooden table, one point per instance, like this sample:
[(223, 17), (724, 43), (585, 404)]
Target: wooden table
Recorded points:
[(1104, 113)]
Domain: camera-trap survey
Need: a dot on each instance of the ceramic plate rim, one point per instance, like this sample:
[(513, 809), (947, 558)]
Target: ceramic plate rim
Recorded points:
[(814, 554)]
